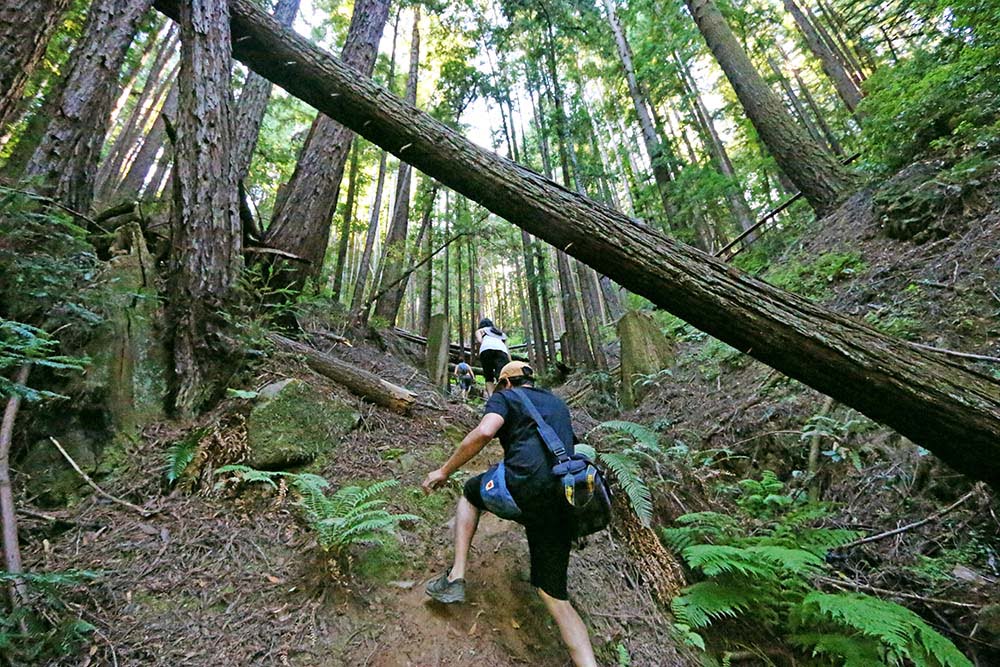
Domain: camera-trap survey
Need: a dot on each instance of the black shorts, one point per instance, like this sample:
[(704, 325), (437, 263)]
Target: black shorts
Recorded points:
[(549, 543), (465, 381), (493, 362)]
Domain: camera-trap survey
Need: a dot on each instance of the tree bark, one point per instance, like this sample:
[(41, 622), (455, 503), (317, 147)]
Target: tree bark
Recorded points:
[(366, 385), (144, 159), (929, 398), (394, 251), (24, 34), (534, 309), (650, 137), (832, 67), (8, 516), (822, 180), (345, 227), (207, 235), (253, 101), (364, 267), (301, 220), (66, 159)]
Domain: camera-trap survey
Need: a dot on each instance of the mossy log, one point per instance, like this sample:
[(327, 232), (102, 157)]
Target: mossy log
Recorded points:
[(366, 385)]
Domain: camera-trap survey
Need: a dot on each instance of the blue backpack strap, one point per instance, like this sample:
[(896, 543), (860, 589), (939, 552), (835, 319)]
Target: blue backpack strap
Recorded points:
[(549, 435)]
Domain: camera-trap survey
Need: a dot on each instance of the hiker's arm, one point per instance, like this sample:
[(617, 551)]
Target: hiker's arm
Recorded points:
[(471, 445)]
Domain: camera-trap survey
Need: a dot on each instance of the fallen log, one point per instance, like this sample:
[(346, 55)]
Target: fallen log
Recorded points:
[(950, 410), (366, 385)]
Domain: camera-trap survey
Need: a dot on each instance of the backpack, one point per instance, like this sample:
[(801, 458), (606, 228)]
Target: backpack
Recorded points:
[(582, 485)]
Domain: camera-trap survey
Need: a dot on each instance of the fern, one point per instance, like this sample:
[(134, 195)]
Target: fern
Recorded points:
[(626, 471), (179, 457), (707, 601), (902, 637), (643, 436)]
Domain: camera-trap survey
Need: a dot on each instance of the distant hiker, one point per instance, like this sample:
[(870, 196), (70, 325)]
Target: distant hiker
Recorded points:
[(466, 377), (493, 353), (524, 479)]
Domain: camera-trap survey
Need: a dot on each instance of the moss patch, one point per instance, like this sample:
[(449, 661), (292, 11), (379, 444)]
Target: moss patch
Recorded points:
[(295, 426)]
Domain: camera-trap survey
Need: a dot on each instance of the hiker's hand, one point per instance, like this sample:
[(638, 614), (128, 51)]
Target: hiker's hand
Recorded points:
[(434, 480)]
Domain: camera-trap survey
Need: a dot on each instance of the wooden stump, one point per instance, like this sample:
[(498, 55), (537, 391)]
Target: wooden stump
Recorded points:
[(645, 350), (437, 350)]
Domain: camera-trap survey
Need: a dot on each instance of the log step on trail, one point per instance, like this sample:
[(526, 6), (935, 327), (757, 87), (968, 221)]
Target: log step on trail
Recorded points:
[(366, 385), (926, 396)]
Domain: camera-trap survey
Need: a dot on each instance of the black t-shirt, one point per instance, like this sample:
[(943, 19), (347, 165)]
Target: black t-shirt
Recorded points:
[(527, 460)]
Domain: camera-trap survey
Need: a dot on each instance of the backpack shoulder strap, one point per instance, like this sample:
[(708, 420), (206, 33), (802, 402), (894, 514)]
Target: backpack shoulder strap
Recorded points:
[(549, 435)]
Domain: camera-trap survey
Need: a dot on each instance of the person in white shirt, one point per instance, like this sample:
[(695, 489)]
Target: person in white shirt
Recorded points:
[(493, 352)]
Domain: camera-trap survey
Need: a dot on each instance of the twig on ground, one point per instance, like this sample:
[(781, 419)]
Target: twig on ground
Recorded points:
[(93, 484), (858, 586), (910, 526), (953, 353)]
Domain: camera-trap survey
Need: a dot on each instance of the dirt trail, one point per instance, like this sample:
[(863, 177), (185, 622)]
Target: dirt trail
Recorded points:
[(221, 579)]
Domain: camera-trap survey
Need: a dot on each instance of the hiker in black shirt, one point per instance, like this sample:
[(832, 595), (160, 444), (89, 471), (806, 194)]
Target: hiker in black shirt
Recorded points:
[(535, 490)]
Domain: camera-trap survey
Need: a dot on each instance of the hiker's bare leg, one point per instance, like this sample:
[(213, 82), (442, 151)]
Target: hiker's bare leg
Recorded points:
[(573, 631), (489, 389), (466, 522)]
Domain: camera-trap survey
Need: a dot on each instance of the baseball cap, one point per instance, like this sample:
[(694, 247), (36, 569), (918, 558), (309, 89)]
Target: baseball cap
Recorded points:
[(516, 369)]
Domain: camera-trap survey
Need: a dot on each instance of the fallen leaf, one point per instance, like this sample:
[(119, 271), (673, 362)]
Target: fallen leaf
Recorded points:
[(472, 630), (273, 579), (514, 624)]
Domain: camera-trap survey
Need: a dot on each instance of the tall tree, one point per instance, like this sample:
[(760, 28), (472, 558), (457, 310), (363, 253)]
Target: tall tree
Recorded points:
[(154, 141), (364, 266), (253, 100), (344, 237), (303, 214), (832, 67), (945, 407), (394, 250), (24, 34), (66, 159), (207, 240), (822, 180)]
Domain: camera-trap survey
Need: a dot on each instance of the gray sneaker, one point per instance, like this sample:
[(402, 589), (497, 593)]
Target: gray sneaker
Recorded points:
[(445, 591)]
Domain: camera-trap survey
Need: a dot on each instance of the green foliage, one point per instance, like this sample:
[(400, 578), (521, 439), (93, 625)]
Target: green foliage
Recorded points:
[(760, 565), (46, 628), (22, 344), (181, 454), (636, 443), (351, 516), (813, 278), (892, 632)]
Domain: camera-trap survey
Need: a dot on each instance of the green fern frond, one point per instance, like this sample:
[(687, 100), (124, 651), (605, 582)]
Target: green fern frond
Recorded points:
[(179, 457), (250, 475), (798, 561), (850, 651), (626, 471), (903, 635), (716, 559), (706, 601), (643, 436)]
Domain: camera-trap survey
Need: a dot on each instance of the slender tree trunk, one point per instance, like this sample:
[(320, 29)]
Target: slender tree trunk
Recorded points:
[(345, 227), (24, 33), (796, 104), (531, 278), (935, 402), (301, 220), (427, 281), (109, 174), (207, 235), (657, 157), (66, 159), (8, 515), (822, 180), (394, 252), (832, 67), (824, 127), (364, 267), (835, 40), (253, 101), (155, 140)]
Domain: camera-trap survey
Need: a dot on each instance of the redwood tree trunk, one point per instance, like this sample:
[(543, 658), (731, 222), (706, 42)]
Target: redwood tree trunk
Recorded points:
[(394, 252), (207, 238), (832, 67), (138, 171), (253, 101), (364, 267), (24, 34), (301, 221), (822, 180), (66, 159), (930, 398), (344, 237)]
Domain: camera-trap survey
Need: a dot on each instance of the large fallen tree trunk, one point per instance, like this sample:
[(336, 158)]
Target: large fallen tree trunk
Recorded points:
[(366, 385), (947, 408)]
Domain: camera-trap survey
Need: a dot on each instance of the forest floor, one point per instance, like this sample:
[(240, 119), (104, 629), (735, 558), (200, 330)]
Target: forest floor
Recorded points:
[(217, 577)]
